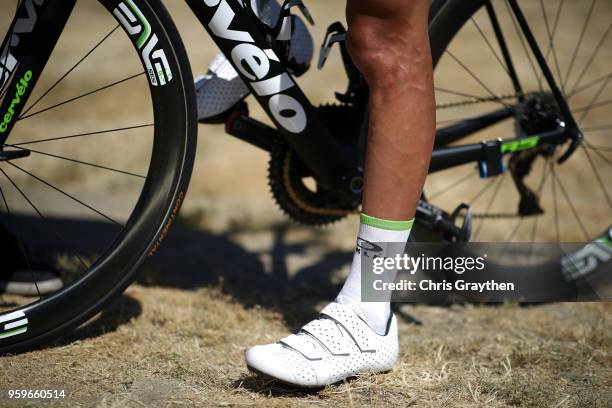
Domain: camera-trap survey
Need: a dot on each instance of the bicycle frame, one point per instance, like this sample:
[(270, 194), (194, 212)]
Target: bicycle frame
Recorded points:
[(234, 30), (233, 27)]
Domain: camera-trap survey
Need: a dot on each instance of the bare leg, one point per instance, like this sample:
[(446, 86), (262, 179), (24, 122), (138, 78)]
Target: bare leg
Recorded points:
[(388, 41)]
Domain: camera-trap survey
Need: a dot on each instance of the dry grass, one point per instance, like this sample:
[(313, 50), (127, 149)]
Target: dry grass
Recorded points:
[(169, 347), (240, 276)]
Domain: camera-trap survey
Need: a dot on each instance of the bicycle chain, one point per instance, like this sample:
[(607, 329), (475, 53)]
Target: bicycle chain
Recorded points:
[(302, 204), (343, 212), (475, 101)]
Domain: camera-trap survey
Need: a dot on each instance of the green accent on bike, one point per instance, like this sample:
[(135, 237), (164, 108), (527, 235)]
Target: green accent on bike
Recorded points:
[(386, 224), (604, 240), (14, 332), (20, 90), (519, 144), (145, 24), (161, 74)]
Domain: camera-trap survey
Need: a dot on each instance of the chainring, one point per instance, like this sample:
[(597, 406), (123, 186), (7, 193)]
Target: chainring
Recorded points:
[(302, 201)]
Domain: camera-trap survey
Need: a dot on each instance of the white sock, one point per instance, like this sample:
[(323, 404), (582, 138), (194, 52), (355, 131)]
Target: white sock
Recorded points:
[(381, 232)]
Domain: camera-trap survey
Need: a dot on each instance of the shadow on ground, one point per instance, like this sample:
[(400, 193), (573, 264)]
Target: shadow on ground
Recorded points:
[(121, 311), (193, 258), (190, 259)]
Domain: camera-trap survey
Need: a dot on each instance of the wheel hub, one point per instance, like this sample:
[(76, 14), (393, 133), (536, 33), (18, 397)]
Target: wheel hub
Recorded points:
[(7, 155)]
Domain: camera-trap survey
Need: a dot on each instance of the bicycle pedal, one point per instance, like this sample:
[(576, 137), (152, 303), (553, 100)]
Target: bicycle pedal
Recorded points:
[(465, 231), (336, 33), (289, 4), (284, 26)]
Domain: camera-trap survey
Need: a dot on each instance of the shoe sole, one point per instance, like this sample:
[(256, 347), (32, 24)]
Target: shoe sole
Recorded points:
[(287, 383), (308, 387)]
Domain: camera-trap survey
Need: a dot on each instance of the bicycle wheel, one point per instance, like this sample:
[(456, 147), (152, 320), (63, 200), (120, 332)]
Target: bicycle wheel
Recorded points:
[(483, 64), (110, 128), (473, 77)]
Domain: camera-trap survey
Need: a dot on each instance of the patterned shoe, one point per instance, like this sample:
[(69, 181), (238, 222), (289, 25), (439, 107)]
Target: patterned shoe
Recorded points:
[(332, 348)]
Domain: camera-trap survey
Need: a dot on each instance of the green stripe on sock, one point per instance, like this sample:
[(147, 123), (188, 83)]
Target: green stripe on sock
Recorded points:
[(386, 224)]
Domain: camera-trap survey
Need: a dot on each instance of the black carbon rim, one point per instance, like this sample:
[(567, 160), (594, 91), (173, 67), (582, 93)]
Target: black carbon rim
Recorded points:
[(157, 206)]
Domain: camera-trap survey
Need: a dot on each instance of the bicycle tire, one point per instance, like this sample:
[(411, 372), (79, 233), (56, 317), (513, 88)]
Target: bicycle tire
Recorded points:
[(163, 193), (447, 18)]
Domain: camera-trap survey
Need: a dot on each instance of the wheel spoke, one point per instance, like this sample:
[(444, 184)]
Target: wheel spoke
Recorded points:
[(598, 149), (22, 117), (598, 176), (585, 110), (556, 204), (22, 247), (572, 207), (592, 57), (40, 214), (481, 192), (98, 166), (597, 128), (66, 194), (545, 173), (490, 203), (458, 93), (452, 186), (56, 83), (590, 84), (475, 77), (580, 39), (82, 134), (597, 152), (515, 230), (490, 46), (534, 228), (551, 42), (522, 40)]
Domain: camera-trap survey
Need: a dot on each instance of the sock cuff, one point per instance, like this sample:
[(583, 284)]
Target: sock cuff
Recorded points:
[(389, 225)]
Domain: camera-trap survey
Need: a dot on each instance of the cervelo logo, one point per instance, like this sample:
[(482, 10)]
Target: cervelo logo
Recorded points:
[(20, 90), (135, 23), (23, 25), (254, 64)]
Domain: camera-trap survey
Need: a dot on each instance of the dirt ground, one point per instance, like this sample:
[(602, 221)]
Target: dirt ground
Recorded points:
[(235, 272)]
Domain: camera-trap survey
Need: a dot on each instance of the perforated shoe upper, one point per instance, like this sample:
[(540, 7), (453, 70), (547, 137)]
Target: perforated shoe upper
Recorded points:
[(334, 347)]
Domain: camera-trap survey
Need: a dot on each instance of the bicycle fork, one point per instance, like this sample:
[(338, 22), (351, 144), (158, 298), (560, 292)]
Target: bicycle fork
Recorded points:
[(24, 53)]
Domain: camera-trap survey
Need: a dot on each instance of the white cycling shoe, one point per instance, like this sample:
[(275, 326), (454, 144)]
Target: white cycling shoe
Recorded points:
[(330, 349), (221, 88)]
